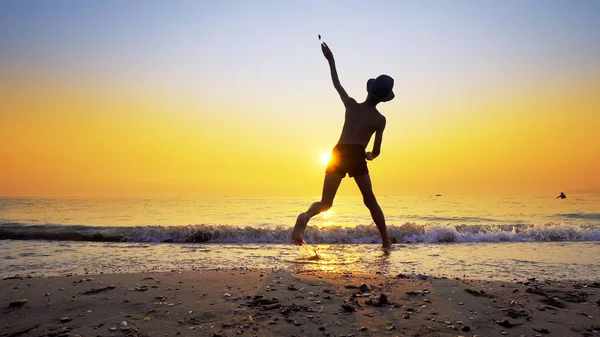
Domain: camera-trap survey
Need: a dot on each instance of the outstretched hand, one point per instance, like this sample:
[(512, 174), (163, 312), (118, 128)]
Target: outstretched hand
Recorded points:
[(326, 51)]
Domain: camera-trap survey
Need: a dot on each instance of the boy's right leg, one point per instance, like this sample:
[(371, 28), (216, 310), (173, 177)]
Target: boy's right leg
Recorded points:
[(366, 188), (330, 187)]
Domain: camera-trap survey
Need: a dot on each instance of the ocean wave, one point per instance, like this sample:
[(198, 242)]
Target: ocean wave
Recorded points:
[(449, 218), (407, 233), (586, 216)]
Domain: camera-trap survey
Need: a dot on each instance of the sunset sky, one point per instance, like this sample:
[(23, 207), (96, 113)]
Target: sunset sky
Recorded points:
[(234, 98)]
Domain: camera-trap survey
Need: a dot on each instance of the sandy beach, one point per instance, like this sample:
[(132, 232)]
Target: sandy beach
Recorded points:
[(287, 303)]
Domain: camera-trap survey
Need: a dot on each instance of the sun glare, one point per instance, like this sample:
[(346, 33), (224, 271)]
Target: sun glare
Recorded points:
[(325, 158)]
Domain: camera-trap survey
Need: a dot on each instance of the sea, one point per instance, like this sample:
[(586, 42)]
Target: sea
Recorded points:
[(480, 237)]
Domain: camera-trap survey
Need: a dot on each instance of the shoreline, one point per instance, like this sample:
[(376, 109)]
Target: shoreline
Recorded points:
[(488, 261), (302, 303)]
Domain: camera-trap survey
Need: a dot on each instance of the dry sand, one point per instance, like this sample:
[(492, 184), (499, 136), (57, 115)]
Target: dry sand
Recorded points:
[(284, 303)]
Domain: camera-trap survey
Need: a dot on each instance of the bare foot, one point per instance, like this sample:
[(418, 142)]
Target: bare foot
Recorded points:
[(386, 251), (299, 228), (386, 245)]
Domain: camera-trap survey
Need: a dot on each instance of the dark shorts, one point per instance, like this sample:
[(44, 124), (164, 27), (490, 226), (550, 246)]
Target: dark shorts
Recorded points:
[(348, 158)]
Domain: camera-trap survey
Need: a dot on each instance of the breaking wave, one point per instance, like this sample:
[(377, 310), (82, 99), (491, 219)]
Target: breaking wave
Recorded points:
[(407, 233)]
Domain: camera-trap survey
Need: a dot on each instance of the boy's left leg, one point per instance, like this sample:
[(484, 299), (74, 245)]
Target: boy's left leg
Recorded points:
[(366, 189), (330, 185)]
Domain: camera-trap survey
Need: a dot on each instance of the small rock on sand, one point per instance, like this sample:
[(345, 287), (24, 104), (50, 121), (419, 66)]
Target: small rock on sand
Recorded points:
[(541, 330), (506, 323), (17, 303), (65, 319), (348, 308), (364, 288)]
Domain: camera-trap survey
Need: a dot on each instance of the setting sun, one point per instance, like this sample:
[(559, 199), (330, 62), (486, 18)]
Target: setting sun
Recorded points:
[(325, 157)]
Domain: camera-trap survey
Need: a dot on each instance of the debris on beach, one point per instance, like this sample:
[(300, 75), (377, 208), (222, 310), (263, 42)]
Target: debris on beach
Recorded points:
[(17, 303), (381, 301), (553, 301), (364, 287), (16, 277), (513, 313), (479, 293), (348, 308), (568, 296), (414, 293), (24, 331), (506, 323), (262, 301), (97, 290)]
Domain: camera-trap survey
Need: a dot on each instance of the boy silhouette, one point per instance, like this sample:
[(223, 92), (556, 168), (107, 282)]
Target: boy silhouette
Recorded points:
[(348, 156)]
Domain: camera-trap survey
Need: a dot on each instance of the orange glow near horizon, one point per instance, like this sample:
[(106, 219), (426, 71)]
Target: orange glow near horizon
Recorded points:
[(145, 147)]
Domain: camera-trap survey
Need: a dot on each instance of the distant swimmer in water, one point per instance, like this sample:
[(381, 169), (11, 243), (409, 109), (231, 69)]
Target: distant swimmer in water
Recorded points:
[(349, 156), (561, 196)]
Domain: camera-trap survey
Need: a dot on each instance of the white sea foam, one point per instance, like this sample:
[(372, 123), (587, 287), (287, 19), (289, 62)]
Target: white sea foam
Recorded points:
[(407, 233)]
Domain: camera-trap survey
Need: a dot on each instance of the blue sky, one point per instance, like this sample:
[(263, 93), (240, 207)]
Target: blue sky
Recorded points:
[(244, 45)]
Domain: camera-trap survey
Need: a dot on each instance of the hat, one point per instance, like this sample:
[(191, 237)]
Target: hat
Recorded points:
[(381, 88)]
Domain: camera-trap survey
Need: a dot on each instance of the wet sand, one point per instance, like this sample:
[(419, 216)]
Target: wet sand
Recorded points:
[(284, 303)]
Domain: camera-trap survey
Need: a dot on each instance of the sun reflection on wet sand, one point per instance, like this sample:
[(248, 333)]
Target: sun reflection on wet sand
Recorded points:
[(341, 258)]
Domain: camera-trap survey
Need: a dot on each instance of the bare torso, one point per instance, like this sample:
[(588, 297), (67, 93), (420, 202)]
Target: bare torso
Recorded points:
[(360, 123)]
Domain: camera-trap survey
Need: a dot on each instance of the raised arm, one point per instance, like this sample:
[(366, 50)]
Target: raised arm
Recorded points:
[(334, 76), (377, 144)]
